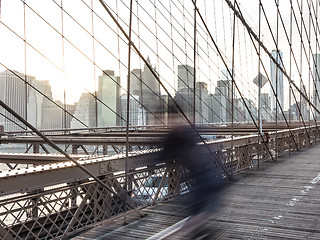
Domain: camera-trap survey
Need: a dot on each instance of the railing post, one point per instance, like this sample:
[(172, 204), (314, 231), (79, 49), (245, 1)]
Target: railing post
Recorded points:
[(75, 149), (173, 179), (34, 209), (35, 148)]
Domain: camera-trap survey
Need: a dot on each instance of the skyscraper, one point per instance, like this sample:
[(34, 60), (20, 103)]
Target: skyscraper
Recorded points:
[(109, 95), (151, 86), (42, 112), (15, 93), (265, 107), (202, 103), (151, 97), (84, 111), (185, 77), (276, 78), (223, 94), (145, 85), (137, 116), (185, 93), (36, 102), (135, 82), (316, 77)]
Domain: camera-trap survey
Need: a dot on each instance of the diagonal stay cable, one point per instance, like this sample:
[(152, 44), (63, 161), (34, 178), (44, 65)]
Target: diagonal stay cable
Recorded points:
[(299, 109), (146, 12), (144, 84), (281, 62), (249, 29), (272, 87), (58, 69), (11, 120), (33, 87), (271, 57), (164, 62), (88, 58), (56, 147), (308, 61), (236, 86), (177, 45), (95, 97), (294, 58), (162, 85), (293, 55), (202, 73)]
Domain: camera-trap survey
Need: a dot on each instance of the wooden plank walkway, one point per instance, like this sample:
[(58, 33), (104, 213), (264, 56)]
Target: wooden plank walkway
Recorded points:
[(279, 201)]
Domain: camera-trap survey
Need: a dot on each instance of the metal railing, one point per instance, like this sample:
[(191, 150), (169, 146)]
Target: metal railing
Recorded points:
[(57, 200)]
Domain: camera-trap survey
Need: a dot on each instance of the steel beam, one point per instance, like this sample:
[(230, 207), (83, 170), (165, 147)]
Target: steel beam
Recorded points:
[(25, 180), (28, 158), (28, 179)]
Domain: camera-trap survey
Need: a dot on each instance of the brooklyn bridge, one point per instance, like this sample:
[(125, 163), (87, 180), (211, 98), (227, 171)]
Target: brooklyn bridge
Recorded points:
[(88, 89)]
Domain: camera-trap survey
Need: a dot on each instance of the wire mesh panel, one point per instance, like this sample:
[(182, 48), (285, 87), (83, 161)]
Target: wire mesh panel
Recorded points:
[(60, 210)]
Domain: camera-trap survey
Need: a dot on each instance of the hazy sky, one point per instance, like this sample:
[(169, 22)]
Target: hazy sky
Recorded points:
[(68, 62)]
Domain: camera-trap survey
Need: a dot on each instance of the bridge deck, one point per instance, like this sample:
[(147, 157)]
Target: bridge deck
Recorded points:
[(279, 201)]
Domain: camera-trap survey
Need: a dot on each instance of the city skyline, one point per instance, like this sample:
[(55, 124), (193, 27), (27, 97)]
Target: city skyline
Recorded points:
[(51, 57), (69, 50), (107, 107)]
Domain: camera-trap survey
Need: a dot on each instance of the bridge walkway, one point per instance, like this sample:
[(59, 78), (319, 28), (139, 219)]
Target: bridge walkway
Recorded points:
[(279, 201)]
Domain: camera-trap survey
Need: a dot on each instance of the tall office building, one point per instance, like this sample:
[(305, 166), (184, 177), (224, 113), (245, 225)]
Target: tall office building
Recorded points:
[(45, 114), (251, 109), (15, 93), (276, 78), (222, 99), (36, 102), (145, 85), (137, 114), (185, 93), (316, 85), (266, 112), (135, 82), (185, 77), (151, 86), (109, 94), (85, 111), (202, 103), (54, 117), (151, 97)]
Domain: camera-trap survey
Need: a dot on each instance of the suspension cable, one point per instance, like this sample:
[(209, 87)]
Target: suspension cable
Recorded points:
[(170, 96), (236, 86)]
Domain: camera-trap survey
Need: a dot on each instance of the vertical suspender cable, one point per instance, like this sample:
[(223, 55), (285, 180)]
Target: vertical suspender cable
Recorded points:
[(25, 63), (121, 121), (175, 85), (259, 86), (228, 70), (128, 115), (194, 63), (305, 108), (232, 81), (157, 90), (228, 174), (316, 63), (278, 86), (301, 82), (56, 147), (290, 69), (94, 68), (301, 42), (63, 68)]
